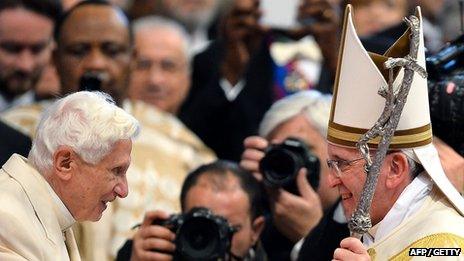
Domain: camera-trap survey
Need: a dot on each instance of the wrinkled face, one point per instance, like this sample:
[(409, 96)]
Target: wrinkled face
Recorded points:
[(25, 49), (300, 127), (98, 184), (161, 76), (233, 204), (94, 39), (350, 184)]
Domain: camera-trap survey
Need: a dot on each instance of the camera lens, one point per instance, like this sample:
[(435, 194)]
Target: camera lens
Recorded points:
[(282, 162), (280, 166), (198, 239)]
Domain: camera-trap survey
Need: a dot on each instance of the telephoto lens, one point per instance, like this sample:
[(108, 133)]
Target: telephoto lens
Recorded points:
[(200, 235)]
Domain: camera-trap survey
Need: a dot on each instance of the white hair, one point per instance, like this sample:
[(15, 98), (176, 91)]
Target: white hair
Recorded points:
[(154, 22), (314, 105), (89, 122)]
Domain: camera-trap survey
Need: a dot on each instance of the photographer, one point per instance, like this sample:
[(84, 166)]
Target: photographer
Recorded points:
[(446, 98), (225, 189), (303, 115), (235, 80)]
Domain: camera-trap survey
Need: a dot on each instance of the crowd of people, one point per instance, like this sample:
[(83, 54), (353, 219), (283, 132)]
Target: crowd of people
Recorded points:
[(118, 117)]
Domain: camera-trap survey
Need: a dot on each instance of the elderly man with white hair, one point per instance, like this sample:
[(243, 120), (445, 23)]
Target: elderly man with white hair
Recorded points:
[(77, 164), (303, 115), (411, 202)]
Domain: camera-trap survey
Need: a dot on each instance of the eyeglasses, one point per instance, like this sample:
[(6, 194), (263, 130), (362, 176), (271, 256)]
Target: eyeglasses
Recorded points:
[(340, 165)]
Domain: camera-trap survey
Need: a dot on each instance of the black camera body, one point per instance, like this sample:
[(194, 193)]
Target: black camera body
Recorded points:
[(446, 93), (447, 60), (90, 82), (200, 235), (282, 162)]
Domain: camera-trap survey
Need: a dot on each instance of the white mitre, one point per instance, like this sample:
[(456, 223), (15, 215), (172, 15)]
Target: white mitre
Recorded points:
[(356, 104)]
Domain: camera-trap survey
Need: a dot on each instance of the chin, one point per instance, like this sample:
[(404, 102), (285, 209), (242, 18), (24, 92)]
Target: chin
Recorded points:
[(95, 218), (96, 215), (348, 211), (348, 215)]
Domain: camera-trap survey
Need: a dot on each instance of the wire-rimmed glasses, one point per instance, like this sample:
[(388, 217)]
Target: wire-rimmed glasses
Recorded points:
[(340, 164)]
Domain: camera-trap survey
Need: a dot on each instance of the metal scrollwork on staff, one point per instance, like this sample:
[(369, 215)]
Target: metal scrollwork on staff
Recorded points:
[(385, 126)]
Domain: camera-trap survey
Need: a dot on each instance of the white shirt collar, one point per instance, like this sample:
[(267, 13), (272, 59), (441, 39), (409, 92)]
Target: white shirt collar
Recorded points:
[(231, 91)]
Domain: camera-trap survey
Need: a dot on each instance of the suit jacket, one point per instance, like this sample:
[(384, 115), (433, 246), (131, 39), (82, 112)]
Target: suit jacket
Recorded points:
[(12, 141), (220, 123), (322, 241), (29, 217), (224, 124)]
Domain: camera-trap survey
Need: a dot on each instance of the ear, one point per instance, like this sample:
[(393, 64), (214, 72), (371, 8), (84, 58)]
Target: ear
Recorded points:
[(257, 227), (399, 170), (64, 162)]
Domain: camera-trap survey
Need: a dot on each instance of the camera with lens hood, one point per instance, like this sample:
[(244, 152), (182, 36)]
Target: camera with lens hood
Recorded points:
[(200, 235), (446, 93), (91, 81), (282, 162)]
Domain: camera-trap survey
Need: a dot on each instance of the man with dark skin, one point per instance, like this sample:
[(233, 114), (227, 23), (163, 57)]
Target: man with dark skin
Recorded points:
[(104, 50), (92, 38)]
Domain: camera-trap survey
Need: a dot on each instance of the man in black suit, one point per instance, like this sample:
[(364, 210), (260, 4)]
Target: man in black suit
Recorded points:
[(233, 79)]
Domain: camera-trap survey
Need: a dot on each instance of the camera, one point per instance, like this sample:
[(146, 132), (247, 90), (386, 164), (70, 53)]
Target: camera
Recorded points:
[(90, 81), (200, 235), (446, 93), (447, 60), (282, 162)]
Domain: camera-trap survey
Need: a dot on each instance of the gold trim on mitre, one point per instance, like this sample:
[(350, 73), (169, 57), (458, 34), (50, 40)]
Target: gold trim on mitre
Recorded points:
[(356, 104), (349, 136)]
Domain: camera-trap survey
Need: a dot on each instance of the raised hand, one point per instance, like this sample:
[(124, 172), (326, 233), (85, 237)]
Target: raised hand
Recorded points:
[(242, 35), (152, 242)]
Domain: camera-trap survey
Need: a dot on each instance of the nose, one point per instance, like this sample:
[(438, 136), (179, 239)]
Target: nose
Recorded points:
[(157, 75), (26, 61), (121, 189), (333, 180), (95, 61)]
